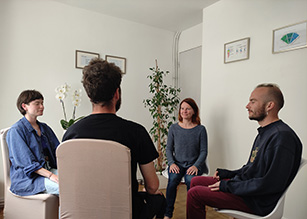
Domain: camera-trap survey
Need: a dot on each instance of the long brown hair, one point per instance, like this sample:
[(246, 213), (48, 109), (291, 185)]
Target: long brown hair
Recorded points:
[(192, 103)]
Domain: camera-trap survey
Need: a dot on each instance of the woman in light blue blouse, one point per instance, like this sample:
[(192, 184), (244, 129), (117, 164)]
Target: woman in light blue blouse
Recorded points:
[(186, 151), (32, 146)]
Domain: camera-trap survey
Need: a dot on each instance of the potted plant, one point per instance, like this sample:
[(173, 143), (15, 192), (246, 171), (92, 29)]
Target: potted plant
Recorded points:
[(162, 106), (61, 93)]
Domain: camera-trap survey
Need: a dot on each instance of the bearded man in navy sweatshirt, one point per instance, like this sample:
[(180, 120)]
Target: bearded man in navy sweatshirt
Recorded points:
[(272, 165)]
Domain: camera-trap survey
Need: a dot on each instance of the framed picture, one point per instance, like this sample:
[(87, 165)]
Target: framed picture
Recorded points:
[(118, 61), (290, 37), (236, 50), (83, 58)]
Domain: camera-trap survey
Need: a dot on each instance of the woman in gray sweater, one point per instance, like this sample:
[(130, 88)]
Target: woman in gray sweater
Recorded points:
[(186, 151)]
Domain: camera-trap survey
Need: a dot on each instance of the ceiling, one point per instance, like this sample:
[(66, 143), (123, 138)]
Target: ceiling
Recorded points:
[(172, 15)]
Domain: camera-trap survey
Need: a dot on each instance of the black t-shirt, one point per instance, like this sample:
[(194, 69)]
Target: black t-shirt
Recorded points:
[(111, 127)]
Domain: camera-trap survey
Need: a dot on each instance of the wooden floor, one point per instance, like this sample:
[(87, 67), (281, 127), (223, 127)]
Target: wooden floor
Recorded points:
[(180, 206)]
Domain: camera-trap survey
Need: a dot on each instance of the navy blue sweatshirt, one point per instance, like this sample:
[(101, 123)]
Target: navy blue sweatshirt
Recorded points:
[(272, 165)]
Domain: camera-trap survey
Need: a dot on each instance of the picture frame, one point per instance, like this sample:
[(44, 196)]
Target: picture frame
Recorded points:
[(237, 50), (290, 37), (118, 61), (83, 58)]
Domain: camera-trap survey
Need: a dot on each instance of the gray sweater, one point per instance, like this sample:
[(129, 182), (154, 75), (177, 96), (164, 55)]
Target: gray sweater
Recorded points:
[(187, 147)]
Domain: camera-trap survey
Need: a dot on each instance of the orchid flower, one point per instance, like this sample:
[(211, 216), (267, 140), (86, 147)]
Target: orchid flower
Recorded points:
[(61, 94)]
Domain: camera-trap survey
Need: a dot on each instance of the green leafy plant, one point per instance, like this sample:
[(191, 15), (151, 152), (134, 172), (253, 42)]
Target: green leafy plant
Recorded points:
[(162, 105)]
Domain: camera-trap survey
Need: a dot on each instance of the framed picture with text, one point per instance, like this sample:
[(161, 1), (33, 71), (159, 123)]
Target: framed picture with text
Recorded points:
[(118, 61), (236, 50), (83, 58)]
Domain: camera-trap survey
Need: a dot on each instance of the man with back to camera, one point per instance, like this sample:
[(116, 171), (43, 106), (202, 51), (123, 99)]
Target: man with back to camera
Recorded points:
[(272, 165), (101, 81)]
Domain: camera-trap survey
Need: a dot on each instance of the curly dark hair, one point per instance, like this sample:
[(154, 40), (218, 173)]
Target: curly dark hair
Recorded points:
[(26, 97), (101, 80)]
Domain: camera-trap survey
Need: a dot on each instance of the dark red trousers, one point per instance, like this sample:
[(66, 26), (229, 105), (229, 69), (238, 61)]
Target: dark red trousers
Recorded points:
[(201, 195)]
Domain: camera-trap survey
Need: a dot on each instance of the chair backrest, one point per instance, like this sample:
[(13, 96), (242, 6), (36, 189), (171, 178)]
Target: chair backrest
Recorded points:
[(94, 179), (208, 167), (279, 208), (5, 158)]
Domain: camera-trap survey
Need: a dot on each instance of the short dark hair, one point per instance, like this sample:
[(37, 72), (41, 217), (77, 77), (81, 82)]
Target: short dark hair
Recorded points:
[(100, 80), (274, 94), (192, 103), (26, 97)]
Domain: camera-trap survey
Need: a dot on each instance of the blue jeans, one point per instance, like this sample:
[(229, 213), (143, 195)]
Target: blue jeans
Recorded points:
[(171, 191), (52, 187)]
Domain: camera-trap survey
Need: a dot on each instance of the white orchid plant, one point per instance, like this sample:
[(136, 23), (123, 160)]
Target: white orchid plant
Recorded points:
[(61, 94)]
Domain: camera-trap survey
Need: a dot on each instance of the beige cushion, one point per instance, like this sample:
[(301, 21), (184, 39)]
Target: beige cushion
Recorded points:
[(94, 179)]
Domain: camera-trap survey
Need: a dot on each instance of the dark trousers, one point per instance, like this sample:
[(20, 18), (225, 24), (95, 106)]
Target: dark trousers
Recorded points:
[(147, 206), (201, 195)]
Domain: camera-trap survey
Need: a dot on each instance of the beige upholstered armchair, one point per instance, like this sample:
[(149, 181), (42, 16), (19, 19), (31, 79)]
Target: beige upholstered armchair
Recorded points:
[(94, 179), (40, 206)]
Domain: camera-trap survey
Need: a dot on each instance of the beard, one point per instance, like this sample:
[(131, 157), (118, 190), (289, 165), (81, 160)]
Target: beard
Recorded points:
[(118, 103), (259, 115)]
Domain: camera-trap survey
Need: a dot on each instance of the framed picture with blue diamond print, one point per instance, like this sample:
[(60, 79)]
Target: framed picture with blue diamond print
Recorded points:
[(290, 37)]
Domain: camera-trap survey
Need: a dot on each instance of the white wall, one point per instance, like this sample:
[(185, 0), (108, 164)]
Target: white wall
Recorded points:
[(190, 74), (38, 42), (190, 38), (226, 87)]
